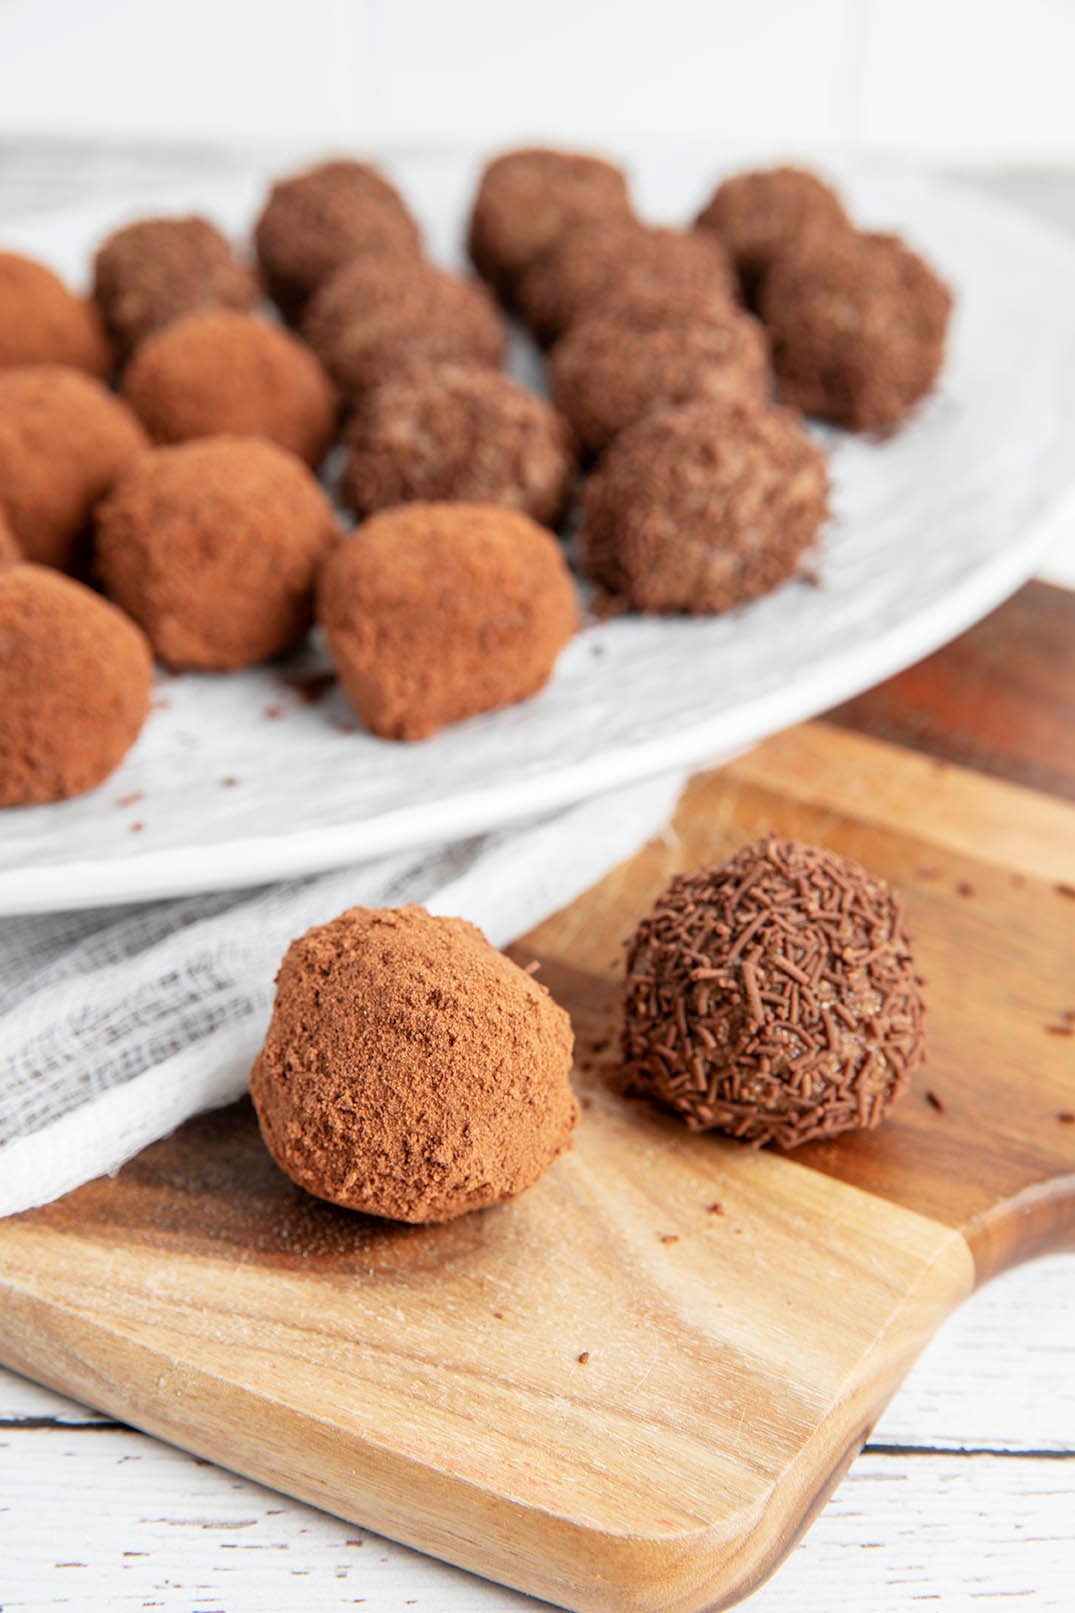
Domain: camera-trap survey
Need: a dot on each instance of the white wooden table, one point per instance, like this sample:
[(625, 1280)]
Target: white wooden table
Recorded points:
[(964, 1498)]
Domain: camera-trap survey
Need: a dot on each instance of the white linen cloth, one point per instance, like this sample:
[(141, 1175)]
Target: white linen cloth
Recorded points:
[(118, 1024)]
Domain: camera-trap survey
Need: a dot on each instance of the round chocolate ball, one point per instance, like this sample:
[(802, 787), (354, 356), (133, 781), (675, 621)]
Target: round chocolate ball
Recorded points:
[(63, 440), (612, 267), (704, 508), (858, 325), (42, 322), (213, 547), (75, 679), (458, 433), (410, 1070), (159, 269), (435, 612), (227, 373), (773, 997), (605, 375), (527, 199), (760, 215), (375, 315), (318, 220)]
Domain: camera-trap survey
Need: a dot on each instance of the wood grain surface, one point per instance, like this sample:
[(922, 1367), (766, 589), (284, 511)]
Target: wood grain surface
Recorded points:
[(428, 1382)]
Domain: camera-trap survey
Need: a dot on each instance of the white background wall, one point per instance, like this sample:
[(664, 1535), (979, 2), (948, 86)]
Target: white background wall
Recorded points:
[(976, 81)]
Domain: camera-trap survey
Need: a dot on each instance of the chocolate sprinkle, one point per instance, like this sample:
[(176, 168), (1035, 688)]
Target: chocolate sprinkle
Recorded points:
[(773, 997)]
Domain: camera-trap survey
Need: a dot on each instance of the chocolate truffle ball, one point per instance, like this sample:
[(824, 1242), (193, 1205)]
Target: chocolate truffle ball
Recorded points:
[(214, 548), (9, 549), (610, 267), (410, 1070), (159, 269), (376, 314), (41, 322), (75, 677), (63, 440), (760, 215), (435, 612), (223, 372), (318, 220), (858, 325), (605, 376), (527, 199), (773, 997), (458, 433), (703, 508)]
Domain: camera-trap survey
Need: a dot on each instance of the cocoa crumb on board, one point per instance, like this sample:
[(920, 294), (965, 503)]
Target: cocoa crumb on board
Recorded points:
[(1064, 1029), (274, 713), (935, 1102), (1063, 889), (965, 888), (137, 827), (132, 799), (716, 1208), (228, 783), (583, 1357), (668, 1237), (1066, 1117)]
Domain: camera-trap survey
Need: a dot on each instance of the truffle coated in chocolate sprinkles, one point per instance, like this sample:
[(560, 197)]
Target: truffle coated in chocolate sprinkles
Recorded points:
[(773, 997)]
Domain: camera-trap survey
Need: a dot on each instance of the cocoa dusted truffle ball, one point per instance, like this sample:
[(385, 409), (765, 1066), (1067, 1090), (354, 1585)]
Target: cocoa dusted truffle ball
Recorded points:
[(858, 325), (223, 372), (760, 215), (159, 269), (63, 440), (527, 199), (458, 433), (41, 322), (214, 548), (623, 269), (9, 549), (410, 1070), (773, 997), (435, 612), (318, 220), (75, 678), (605, 376), (376, 314), (704, 508)]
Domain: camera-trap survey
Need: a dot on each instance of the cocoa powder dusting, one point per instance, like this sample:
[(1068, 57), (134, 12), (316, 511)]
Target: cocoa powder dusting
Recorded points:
[(410, 1070)]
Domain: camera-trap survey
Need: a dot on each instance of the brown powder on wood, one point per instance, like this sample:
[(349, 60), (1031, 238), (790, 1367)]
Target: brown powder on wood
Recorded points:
[(410, 1069), (773, 997)]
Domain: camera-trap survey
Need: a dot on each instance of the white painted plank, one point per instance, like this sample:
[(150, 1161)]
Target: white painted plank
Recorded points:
[(108, 1519)]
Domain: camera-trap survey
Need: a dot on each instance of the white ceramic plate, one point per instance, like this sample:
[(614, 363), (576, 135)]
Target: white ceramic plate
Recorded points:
[(236, 780)]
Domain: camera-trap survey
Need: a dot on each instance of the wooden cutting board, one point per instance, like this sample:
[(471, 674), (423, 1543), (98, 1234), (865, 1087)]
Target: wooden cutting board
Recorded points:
[(634, 1387)]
